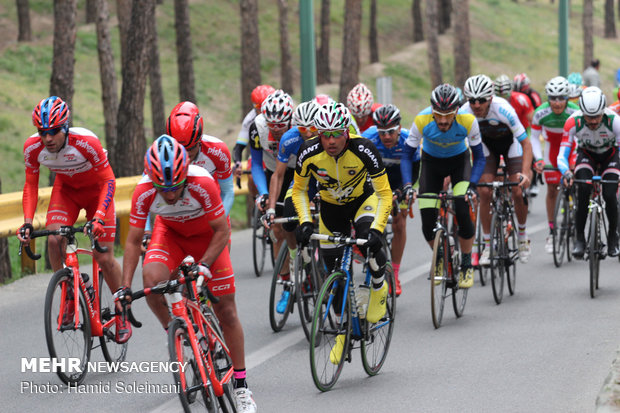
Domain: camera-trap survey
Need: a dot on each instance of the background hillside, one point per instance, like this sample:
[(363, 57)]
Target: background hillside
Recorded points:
[(507, 37)]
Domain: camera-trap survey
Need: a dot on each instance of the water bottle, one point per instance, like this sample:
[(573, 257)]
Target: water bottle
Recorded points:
[(89, 286), (362, 296)]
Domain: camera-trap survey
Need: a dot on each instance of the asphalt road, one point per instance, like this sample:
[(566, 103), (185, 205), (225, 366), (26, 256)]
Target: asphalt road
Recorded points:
[(547, 348)]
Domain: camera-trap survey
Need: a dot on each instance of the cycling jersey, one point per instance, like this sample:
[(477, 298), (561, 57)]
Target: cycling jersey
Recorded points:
[(553, 127), (534, 97), (522, 105), (356, 173), (615, 106), (289, 145), (244, 133), (81, 164)]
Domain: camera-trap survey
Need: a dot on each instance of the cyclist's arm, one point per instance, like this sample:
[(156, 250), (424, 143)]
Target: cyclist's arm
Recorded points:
[(131, 257), (106, 195), (381, 185), (30, 195), (238, 152), (227, 192), (566, 145), (258, 173), (526, 144), (299, 192), (219, 240), (479, 161), (535, 142), (275, 185)]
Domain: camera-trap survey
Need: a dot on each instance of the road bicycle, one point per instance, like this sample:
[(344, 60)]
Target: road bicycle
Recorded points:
[(340, 314), (445, 267), (195, 337), (262, 242), (503, 247), (73, 317), (564, 224), (483, 270)]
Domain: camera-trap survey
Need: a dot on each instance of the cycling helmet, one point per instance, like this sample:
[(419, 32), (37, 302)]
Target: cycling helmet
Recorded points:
[(479, 86), (462, 99), (575, 79), (558, 86), (445, 98), (260, 93), (574, 91), (360, 100), (185, 124), (503, 85), (50, 113), (386, 116), (331, 117), (592, 101), (323, 99), (521, 82), (304, 113), (166, 162), (277, 107)]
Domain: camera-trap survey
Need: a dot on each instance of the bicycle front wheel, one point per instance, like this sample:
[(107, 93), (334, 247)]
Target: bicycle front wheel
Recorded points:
[(439, 277), (282, 294), (594, 245), (377, 336), (259, 243), (307, 286), (112, 351), (331, 333), (63, 339), (497, 256), (560, 226), (483, 270), (512, 253)]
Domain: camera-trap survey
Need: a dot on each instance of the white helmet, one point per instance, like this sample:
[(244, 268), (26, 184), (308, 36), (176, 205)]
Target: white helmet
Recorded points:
[(277, 107), (574, 91), (558, 86), (304, 113), (592, 101), (360, 100), (331, 117), (479, 86), (503, 85)]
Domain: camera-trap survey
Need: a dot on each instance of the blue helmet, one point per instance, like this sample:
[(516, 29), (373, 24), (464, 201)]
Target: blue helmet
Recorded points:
[(166, 162), (51, 113)]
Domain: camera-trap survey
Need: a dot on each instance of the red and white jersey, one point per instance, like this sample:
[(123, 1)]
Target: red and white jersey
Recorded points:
[(80, 163), (523, 106), (606, 136), (214, 156), (199, 204)]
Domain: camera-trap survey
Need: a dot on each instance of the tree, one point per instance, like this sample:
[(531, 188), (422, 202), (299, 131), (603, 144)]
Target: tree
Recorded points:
[(323, 74), (444, 11), (610, 21), (91, 10), (123, 13), (187, 90), (588, 33), (286, 65), (63, 62), (372, 33), (131, 145), (462, 42), (418, 25), (250, 53), (350, 47), (432, 41), (158, 116), (23, 21)]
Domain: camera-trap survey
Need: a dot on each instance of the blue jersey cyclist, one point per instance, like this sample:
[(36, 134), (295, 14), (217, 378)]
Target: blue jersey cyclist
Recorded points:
[(446, 133), (389, 138)]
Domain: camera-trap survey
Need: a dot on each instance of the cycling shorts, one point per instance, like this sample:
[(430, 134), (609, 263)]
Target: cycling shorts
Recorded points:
[(338, 218), (513, 157)]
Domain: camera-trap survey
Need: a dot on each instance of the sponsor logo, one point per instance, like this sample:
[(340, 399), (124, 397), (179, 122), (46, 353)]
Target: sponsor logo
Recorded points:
[(84, 144), (158, 257), (59, 218), (218, 153), (352, 172), (220, 287), (371, 155), (70, 157), (322, 173), (28, 150)]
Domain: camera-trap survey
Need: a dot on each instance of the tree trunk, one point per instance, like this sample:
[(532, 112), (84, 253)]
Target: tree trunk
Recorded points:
[(434, 62), (91, 10), (350, 47), (61, 82), (323, 74), (250, 53), (372, 33), (187, 90), (109, 94), (158, 114), (610, 21), (5, 258), (123, 13), (418, 24), (588, 33), (444, 10), (286, 65), (131, 144), (23, 21), (462, 42)]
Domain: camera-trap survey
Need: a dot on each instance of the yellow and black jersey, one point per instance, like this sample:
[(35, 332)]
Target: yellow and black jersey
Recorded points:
[(356, 173)]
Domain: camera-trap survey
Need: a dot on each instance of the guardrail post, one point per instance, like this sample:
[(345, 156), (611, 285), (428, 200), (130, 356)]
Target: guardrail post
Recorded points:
[(123, 227), (29, 266)]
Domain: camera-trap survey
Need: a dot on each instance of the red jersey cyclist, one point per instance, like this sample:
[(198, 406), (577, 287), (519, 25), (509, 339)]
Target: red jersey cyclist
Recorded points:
[(361, 104), (190, 221)]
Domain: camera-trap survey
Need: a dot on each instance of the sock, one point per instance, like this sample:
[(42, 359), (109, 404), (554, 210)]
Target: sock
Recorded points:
[(550, 226), (396, 268), (465, 260), (377, 282), (239, 376), (522, 234), (292, 253), (487, 240)]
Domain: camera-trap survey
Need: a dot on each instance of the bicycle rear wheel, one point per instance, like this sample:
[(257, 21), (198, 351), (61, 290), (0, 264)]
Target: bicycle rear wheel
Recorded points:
[(438, 277), (307, 285), (377, 336), (327, 327), (281, 288), (112, 351), (63, 339), (192, 393), (560, 226), (259, 243), (512, 252), (497, 254), (483, 271), (594, 245)]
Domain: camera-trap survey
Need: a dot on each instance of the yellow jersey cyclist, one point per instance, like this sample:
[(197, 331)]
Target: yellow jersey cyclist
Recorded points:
[(446, 132), (354, 189)]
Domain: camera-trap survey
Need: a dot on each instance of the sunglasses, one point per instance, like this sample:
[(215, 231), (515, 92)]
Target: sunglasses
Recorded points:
[(388, 131), (444, 114), (163, 188), (304, 129), (479, 100), (332, 134), (277, 126), (557, 98), (52, 132)]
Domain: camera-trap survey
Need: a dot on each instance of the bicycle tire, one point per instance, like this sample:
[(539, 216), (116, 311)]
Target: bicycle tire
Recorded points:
[(497, 251), (326, 326), (512, 253), (559, 233), (570, 233), (438, 278), (483, 271), (307, 285), (277, 320), (67, 342), (378, 336), (593, 251), (180, 350), (112, 351), (259, 243)]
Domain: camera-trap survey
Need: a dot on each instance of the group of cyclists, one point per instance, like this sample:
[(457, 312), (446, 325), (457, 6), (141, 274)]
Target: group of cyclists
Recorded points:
[(355, 157)]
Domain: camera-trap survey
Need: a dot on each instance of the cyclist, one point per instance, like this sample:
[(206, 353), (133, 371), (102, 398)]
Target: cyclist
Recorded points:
[(389, 138), (446, 132), (84, 180), (575, 86), (502, 135), (550, 118), (597, 132), (521, 84), (616, 105), (354, 189), (190, 221), (520, 102), (361, 105), (303, 129)]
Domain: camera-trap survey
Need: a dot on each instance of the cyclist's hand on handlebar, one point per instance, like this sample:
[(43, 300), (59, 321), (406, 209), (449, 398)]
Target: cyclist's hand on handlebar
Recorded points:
[(472, 193), (95, 227), (374, 242), (303, 233), (146, 240), (123, 295), (539, 165), (409, 194), (261, 201), (524, 180), (203, 269), (23, 233), (268, 218), (567, 178)]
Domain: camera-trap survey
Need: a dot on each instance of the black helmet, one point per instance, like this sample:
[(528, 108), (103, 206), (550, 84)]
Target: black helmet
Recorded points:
[(386, 116), (445, 98)]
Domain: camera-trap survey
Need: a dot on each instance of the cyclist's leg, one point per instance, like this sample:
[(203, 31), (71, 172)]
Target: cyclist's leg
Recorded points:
[(460, 178), (514, 166), (552, 179), (432, 174), (610, 173), (63, 210), (109, 265), (584, 169), (486, 196)]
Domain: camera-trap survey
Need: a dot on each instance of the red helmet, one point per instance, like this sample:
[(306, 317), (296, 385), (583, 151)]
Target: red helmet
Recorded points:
[(166, 162), (185, 124), (50, 113), (521, 82), (260, 93)]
